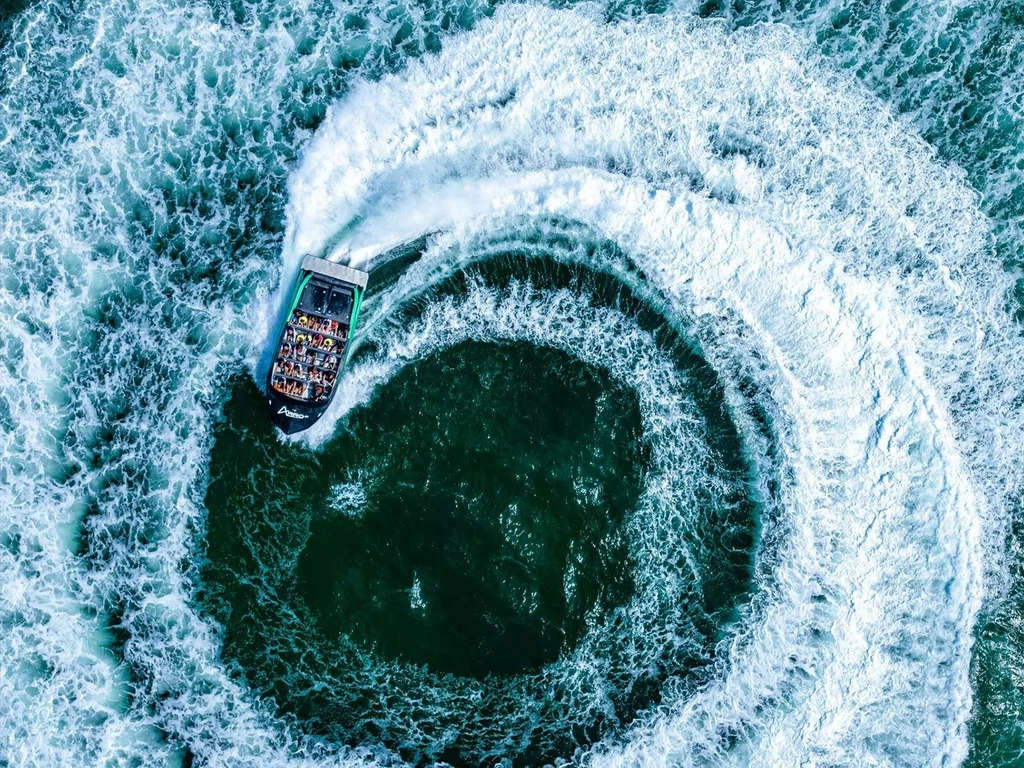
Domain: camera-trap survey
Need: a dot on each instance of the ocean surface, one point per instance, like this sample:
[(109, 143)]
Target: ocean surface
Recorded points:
[(689, 431)]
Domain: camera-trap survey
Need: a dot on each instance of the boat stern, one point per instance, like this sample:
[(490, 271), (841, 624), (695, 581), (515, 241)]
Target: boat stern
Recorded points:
[(291, 417)]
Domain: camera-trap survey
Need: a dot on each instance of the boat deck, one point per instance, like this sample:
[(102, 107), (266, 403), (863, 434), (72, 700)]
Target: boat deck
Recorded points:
[(306, 366)]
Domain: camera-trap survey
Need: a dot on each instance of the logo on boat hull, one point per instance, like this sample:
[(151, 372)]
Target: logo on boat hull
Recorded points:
[(286, 411)]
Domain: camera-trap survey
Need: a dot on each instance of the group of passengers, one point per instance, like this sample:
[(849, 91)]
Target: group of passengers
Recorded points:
[(321, 382), (291, 388), (309, 360), (296, 371), (288, 368), (309, 356), (315, 340), (317, 323), (321, 377)]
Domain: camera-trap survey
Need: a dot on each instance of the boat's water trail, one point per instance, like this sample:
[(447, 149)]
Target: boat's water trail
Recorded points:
[(780, 210), (847, 285)]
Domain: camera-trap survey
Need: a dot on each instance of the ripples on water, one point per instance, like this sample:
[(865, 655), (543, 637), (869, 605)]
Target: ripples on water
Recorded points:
[(766, 258)]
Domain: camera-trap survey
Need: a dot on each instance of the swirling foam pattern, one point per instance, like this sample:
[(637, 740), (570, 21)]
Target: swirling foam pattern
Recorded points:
[(843, 282), (778, 205)]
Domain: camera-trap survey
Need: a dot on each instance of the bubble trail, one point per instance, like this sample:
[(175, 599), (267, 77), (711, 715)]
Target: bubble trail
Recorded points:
[(779, 207), (166, 164)]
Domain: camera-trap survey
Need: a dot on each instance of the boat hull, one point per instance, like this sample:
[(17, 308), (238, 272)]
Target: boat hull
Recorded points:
[(290, 416)]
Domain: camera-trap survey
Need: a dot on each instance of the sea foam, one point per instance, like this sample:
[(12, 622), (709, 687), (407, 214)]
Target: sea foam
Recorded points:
[(792, 220), (808, 241)]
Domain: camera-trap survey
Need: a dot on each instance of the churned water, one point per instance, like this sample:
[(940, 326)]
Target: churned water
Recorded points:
[(690, 434)]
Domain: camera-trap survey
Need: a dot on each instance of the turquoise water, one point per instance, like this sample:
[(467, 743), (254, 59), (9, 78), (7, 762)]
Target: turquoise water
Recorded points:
[(689, 434)]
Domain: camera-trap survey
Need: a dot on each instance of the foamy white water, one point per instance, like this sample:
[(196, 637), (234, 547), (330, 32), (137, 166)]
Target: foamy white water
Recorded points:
[(784, 212), (804, 238)]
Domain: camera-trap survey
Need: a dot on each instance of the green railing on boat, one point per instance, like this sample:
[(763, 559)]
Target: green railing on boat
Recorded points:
[(356, 306), (298, 295)]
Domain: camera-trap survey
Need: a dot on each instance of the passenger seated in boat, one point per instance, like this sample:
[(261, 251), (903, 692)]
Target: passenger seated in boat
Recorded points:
[(287, 386)]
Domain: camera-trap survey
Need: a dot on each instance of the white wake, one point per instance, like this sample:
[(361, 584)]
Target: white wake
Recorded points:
[(832, 258)]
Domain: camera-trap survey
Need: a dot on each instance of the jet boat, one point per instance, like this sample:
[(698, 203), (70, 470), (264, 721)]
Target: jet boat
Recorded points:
[(313, 347)]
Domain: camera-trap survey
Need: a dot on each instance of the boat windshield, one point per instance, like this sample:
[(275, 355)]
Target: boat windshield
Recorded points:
[(315, 298), (340, 304), (320, 299)]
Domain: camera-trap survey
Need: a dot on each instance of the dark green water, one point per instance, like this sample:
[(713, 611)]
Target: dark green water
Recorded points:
[(481, 563), (498, 479), (468, 521)]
